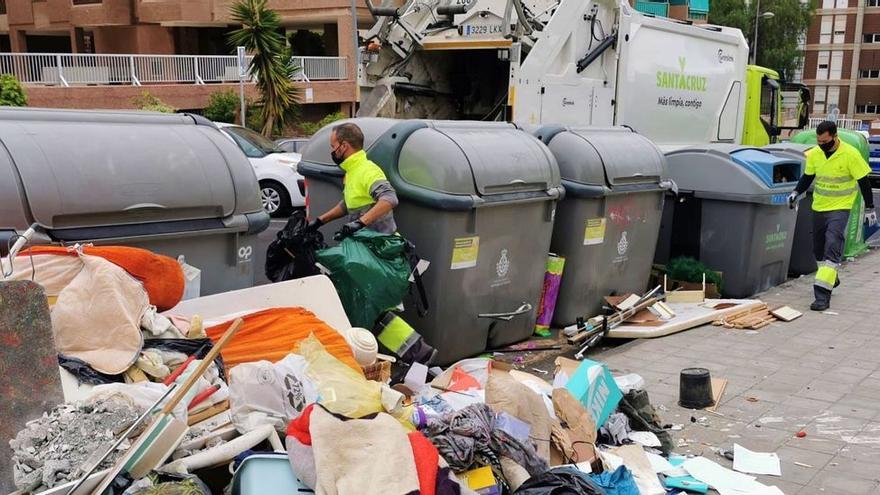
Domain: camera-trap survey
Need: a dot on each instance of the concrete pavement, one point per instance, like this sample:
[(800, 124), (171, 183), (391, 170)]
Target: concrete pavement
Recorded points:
[(819, 374)]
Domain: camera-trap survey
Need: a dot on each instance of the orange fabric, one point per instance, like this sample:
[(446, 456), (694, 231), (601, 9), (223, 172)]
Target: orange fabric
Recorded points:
[(162, 276), (272, 334)]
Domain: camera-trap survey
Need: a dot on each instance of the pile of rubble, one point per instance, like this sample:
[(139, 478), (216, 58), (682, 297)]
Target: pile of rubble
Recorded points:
[(51, 449)]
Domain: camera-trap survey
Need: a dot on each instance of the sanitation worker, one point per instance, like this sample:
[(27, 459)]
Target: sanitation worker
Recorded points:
[(368, 198), (840, 172)]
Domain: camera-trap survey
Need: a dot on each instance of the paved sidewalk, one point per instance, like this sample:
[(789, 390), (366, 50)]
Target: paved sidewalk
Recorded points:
[(819, 374)]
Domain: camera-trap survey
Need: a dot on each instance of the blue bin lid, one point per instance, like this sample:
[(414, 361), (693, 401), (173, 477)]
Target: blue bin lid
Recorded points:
[(761, 164)]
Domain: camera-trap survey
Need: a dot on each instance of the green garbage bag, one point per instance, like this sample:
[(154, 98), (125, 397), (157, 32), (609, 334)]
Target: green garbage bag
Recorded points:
[(370, 272)]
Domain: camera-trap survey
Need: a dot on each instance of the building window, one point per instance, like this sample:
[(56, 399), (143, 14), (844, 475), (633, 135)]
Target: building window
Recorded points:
[(2, 7), (836, 69), (833, 98), (842, 4), (822, 65), (839, 28), (819, 99), (871, 38), (872, 3), (870, 74), (868, 108), (825, 29), (86, 2)]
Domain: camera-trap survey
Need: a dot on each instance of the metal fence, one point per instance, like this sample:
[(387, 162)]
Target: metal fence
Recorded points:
[(68, 69), (842, 123)]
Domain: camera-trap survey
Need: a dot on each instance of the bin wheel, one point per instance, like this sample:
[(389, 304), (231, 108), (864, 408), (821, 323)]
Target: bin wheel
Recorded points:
[(275, 199)]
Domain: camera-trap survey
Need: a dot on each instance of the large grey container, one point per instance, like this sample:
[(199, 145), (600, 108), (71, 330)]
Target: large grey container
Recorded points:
[(172, 184), (477, 200), (607, 225), (803, 261), (732, 214)]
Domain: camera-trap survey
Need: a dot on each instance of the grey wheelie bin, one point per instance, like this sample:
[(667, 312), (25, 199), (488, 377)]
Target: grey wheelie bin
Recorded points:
[(732, 214), (607, 225), (170, 183), (477, 199), (803, 261)]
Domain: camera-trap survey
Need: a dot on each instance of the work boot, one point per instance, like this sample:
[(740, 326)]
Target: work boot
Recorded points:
[(819, 306)]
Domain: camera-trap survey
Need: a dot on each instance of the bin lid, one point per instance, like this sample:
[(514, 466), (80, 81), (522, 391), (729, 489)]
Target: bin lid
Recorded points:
[(501, 159), (84, 169), (724, 169), (789, 149), (604, 156)]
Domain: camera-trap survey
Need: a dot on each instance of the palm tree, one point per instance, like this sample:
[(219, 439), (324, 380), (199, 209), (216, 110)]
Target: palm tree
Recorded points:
[(261, 35)]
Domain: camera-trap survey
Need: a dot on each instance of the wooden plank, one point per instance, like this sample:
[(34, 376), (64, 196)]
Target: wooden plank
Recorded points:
[(210, 412), (718, 387), (786, 313)]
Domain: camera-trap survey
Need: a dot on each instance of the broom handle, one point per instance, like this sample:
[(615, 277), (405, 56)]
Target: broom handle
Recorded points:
[(203, 366)]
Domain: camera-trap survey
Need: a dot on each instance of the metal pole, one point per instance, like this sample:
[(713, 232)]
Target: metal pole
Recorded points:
[(354, 32), (755, 47), (241, 73)]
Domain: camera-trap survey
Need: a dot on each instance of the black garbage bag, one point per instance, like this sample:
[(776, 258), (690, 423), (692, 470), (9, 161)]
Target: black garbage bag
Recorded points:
[(88, 375), (84, 373), (292, 254), (560, 481)]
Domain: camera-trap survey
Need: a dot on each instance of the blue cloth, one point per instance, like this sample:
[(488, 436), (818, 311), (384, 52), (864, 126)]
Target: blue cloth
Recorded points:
[(617, 482)]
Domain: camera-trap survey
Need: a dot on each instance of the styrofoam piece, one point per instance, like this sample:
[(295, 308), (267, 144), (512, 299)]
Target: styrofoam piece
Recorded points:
[(687, 316), (315, 294)]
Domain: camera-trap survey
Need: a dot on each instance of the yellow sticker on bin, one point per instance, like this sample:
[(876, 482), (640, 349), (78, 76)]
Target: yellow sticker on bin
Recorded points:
[(464, 252), (595, 231)]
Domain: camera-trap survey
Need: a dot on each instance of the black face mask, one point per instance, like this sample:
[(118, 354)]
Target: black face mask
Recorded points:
[(337, 159), (826, 147)]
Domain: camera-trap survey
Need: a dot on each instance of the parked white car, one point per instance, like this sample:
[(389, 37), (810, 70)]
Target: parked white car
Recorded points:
[(281, 187)]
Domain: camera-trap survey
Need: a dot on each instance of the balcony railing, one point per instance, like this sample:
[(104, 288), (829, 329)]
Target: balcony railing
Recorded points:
[(69, 69), (842, 123)]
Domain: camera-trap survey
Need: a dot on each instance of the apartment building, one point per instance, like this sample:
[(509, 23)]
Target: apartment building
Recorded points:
[(101, 53), (842, 60)]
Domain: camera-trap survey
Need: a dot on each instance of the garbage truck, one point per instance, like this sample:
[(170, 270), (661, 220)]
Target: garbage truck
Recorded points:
[(573, 62)]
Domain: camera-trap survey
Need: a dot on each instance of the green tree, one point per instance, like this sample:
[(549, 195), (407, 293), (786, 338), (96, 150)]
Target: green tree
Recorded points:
[(12, 94), (150, 103), (777, 36), (309, 128), (222, 106), (262, 36)]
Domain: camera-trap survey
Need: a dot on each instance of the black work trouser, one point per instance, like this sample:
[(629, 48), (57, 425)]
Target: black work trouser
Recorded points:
[(829, 237)]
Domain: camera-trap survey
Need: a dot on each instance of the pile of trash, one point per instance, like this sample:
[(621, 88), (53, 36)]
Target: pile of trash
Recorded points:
[(293, 398)]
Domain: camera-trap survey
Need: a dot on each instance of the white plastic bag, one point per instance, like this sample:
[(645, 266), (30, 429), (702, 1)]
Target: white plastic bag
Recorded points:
[(264, 393), (192, 279)]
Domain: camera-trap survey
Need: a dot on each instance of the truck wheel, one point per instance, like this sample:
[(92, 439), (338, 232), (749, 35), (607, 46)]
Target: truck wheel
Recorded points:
[(275, 199)]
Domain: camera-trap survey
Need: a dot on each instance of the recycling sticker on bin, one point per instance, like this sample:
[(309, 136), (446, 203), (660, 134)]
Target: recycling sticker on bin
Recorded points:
[(464, 252)]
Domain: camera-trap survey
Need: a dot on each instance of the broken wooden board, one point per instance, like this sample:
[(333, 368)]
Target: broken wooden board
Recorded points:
[(786, 313), (687, 316), (718, 387), (28, 363)]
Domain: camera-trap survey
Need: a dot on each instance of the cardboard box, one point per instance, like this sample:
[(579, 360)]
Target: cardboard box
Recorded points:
[(593, 386)]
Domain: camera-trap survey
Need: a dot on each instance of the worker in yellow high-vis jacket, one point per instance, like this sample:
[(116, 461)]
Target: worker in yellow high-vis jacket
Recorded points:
[(367, 197), (840, 172)]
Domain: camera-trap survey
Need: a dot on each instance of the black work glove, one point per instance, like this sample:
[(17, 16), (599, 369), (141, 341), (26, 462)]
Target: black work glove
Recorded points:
[(349, 229), (314, 225)]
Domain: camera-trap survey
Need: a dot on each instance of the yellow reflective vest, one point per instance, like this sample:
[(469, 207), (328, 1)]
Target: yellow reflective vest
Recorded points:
[(360, 175), (836, 186)]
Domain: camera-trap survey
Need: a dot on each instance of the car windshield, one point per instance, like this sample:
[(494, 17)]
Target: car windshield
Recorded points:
[(253, 144)]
